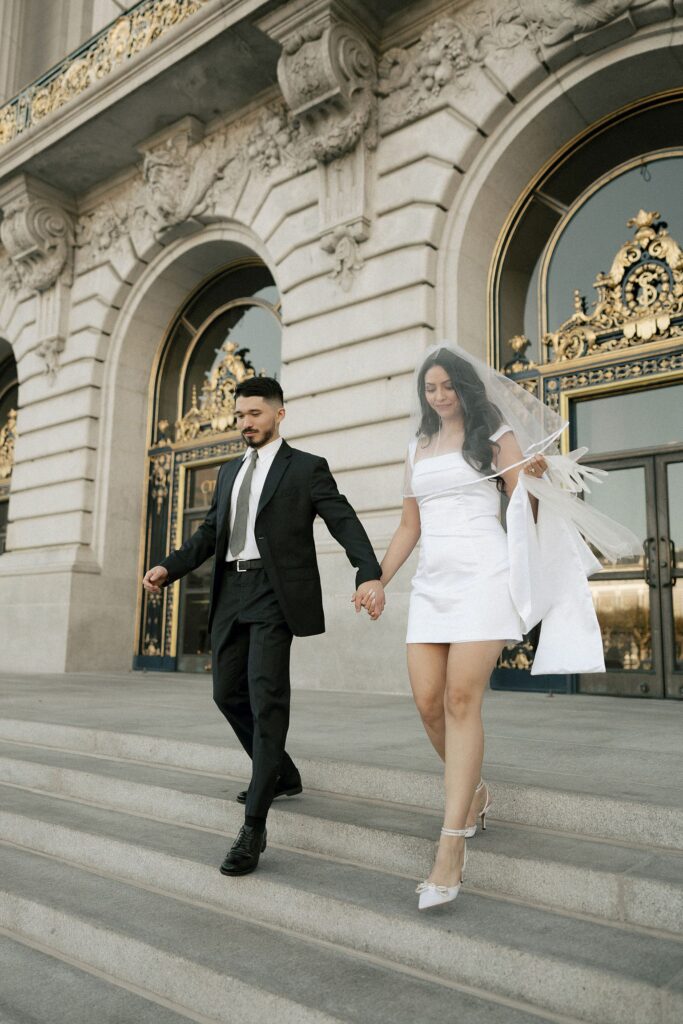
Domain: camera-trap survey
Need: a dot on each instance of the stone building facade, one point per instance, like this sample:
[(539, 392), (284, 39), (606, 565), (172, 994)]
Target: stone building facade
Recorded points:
[(332, 186)]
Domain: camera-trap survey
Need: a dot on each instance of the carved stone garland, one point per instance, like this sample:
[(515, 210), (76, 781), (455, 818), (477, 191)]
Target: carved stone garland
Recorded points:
[(413, 80)]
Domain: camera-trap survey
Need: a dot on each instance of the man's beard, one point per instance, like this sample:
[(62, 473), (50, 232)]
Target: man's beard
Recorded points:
[(268, 436)]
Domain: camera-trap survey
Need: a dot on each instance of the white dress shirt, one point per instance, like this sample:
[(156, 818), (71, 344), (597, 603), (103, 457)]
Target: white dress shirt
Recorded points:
[(266, 454)]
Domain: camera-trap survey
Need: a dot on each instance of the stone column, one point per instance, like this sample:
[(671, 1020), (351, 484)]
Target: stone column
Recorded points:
[(51, 499), (11, 12)]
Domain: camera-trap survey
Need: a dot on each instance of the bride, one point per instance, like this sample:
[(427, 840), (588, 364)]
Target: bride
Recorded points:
[(477, 434)]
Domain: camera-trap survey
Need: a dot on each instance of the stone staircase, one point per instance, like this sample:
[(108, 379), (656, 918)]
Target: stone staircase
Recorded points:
[(112, 907)]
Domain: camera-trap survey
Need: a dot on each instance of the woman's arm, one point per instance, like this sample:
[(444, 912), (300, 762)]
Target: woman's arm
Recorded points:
[(509, 453), (404, 540), (402, 544)]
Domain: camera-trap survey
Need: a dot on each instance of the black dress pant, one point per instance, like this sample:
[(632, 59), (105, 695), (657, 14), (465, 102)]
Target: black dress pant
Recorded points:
[(251, 643)]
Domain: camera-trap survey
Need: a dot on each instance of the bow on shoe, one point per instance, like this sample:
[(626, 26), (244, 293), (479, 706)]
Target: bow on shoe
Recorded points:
[(432, 887), (566, 472)]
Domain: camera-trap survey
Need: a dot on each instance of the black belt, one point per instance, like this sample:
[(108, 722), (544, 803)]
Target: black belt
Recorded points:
[(244, 564)]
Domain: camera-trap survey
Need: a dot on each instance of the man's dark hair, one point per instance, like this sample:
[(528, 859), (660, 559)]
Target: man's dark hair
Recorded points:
[(264, 387)]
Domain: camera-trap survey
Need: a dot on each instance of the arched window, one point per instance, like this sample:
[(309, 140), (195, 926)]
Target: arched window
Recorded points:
[(9, 396), (571, 219), (227, 330)]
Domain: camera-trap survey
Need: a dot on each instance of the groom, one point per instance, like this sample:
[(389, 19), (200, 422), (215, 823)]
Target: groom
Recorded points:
[(265, 588)]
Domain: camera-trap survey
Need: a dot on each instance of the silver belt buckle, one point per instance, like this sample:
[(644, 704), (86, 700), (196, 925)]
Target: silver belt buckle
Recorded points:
[(237, 564)]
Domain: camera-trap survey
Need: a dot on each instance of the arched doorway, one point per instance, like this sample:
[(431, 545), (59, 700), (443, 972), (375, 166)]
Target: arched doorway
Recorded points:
[(589, 315), (9, 396), (228, 328)]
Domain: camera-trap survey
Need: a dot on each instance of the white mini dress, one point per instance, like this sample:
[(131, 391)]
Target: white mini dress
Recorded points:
[(461, 590)]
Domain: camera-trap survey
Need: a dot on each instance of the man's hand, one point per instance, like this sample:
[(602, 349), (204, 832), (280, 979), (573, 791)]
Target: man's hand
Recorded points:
[(153, 578), (370, 596)]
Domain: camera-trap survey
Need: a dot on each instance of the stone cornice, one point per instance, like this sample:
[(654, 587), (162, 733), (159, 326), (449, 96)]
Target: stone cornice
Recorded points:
[(214, 18)]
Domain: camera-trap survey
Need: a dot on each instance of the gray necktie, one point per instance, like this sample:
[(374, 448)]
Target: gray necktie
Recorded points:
[(238, 534)]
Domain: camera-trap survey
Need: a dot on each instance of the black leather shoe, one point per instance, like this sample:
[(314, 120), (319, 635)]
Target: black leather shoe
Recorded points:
[(282, 788), (243, 855)]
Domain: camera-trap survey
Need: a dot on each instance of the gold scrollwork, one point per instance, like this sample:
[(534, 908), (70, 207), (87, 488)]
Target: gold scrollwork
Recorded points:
[(519, 344), (160, 472), (151, 646), (8, 435), (520, 656), (214, 412), (127, 36), (639, 300)]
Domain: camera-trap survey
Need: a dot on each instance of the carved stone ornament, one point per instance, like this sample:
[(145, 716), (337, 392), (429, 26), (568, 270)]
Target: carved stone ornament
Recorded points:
[(343, 244), (557, 20), (160, 471), (639, 300), (327, 73), (214, 412), (37, 233), (275, 139), (8, 435), (49, 350), (179, 170), (102, 228), (412, 80)]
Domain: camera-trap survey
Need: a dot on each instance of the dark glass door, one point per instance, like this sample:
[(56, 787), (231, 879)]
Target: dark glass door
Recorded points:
[(194, 650), (4, 506), (636, 600), (669, 484)]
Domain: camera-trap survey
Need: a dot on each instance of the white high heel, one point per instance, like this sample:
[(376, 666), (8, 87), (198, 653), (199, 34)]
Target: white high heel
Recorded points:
[(432, 895), (471, 830)]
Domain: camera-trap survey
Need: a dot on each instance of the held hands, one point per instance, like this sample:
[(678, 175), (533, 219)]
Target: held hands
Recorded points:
[(370, 596), (153, 579)]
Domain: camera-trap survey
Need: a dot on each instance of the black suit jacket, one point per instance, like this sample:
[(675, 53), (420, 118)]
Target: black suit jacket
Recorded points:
[(298, 487)]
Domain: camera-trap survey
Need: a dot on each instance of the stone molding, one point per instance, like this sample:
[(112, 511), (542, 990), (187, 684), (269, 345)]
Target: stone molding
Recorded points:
[(335, 100)]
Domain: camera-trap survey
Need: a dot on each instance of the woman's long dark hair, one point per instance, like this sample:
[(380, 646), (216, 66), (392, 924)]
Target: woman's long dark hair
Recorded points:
[(482, 418)]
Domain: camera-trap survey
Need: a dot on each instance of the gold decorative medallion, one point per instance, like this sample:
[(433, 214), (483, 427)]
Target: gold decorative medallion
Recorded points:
[(639, 300)]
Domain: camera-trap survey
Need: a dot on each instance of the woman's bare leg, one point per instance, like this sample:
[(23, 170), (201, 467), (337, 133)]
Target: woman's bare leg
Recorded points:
[(427, 665), (427, 670), (468, 671)]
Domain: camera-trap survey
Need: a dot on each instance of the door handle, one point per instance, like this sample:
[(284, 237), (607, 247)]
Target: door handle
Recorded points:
[(671, 563), (649, 545)]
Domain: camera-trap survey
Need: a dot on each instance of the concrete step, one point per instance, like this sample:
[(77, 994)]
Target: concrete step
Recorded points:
[(643, 815), (557, 963), (616, 882), (38, 987), (214, 966)]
